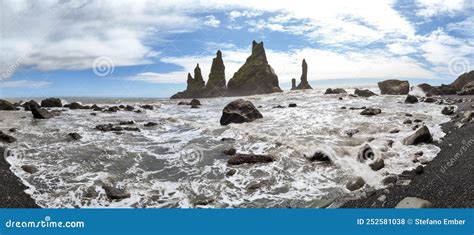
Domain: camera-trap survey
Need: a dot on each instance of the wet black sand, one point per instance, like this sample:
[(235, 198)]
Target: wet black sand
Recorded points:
[(12, 194), (445, 185)]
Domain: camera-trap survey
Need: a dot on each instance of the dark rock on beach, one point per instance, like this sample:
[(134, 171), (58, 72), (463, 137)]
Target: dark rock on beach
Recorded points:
[(147, 106), (27, 105), (304, 78), (377, 164), (75, 105), (355, 183), (75, 136), (292, 105), (364, 93), (230, 152), (150, 124), (29, 169), (394, 87), (239, 159), (239, 111), (51, 103), (448, 110), (422, 135), (318, 156), (256, 76)]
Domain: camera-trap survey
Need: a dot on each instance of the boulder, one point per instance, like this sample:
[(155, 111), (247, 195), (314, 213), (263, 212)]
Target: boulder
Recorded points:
[(239, 159), (377, 164), (6, 138), (304, 78), (429, 100), (419, 170), (6, 105), (411, 99), (51, 103), (114, 193), (126, 122), (147, 106), (27, 105), (364, 93), (75, 105), (29, 169), (422, 135), (355, 183), (216, 84), (239, 111), (335, 91), (256, 76), (195, 102), (394, 87), (230, 152), (318, 156), (129, 108), (371, 111), (463, 80), (413, 202), (108, 127), (75, 136), (390, 179), (40, 113), (150, 124), (448, 110), (292, 105), (365, 153)]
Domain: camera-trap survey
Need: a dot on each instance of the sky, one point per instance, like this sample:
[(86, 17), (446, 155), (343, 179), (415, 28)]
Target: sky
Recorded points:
[(135, 48)]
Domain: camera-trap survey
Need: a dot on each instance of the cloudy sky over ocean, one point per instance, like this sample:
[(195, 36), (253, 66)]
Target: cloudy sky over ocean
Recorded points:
[(146, 48)]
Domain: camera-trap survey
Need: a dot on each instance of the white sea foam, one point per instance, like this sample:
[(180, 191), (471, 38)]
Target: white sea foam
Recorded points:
[(152, 164)]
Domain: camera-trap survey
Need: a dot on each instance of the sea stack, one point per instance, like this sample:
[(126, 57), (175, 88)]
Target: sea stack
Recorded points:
[(293, 84), (195, 86), (256, 76), (216, 85), (304, 78)]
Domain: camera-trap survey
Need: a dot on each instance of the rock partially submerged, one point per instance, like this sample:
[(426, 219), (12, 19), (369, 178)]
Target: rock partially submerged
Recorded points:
[(330, 91), (318, 156), (371, 111), (75, 136), (256, 76), (6, 138), (394, 87), (239, 111), (448, 110), (51, 103), (364, 93), (40, 113), (239, 159), (304, 78), (355, 183), (114, 193), (411, 99), (422, 135)]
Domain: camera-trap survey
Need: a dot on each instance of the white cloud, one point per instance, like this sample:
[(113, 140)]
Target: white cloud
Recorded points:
[(430, 8), (211, 21), (24, 84), (465, 27), (400, 48)]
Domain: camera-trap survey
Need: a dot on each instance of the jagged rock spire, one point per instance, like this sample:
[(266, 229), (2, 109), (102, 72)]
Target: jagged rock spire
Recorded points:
[(304, 77), (217, 76)]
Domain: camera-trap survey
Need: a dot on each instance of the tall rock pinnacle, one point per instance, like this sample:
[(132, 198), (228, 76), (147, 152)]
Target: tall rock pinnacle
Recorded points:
[(216, 85), (256, 76), (195, 86), (304, 78)]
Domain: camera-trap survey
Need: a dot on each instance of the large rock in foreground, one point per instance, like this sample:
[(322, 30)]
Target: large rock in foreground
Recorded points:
[(256, 76), (6, 105), (51, 103), (364, 93), (239, 111), (422, 135), (394, 87)]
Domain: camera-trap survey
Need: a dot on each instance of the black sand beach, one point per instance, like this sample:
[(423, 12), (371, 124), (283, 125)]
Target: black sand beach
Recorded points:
[(446, 181), (12, 194)]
